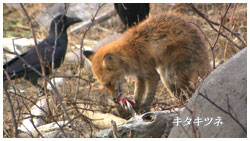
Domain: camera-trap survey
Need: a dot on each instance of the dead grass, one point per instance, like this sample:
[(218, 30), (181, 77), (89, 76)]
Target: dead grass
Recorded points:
[(16, 25)]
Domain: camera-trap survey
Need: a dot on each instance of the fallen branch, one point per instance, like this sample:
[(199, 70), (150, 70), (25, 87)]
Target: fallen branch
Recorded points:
[(99, 19), (148, 125)]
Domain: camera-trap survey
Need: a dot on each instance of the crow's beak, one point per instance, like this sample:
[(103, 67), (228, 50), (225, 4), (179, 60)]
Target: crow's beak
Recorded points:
[(73, 20)]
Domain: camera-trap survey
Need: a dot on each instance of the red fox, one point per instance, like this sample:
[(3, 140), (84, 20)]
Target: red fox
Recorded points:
[(163, 47)]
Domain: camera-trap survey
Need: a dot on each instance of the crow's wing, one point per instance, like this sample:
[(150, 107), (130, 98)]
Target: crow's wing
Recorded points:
[(18, 66), (46, 49)]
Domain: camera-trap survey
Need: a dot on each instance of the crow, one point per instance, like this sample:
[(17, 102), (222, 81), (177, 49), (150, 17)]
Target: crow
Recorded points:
[(56, 40), (132, 13)]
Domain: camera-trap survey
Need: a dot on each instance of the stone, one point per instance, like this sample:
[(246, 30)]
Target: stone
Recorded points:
[(85, 11), (223, 94)]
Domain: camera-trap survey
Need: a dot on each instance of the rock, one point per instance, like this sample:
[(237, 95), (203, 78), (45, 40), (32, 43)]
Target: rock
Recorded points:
[(28, 126), (81, 10), (39, 110), (107, 133), (21, 45), (74, 56), (51, 130), (223, 91), (59, 134), (42, 106), (57, 82)]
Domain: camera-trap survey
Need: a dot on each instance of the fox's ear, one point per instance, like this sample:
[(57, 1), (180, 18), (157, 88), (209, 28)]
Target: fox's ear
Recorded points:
[(89, 54), (110, 62)]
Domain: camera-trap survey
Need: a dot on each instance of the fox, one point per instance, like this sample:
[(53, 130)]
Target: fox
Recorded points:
[(166, 47)]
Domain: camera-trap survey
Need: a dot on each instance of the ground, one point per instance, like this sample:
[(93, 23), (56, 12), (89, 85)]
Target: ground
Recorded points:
[(86, 91)]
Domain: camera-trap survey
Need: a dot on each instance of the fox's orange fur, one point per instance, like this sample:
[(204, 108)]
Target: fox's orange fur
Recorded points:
[(165, 47)]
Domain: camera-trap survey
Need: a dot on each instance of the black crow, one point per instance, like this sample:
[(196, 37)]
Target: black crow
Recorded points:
[(132, 13), (57, 39)]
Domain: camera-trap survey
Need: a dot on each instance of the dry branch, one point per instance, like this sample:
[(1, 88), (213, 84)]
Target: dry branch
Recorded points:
[(35, 41), (43, 71), (11, 109), (46, 79), (148, 125), (218, 35), (81, 44), (210, 22)]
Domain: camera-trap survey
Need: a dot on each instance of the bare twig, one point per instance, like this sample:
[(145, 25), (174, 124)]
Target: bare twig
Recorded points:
[(66, 6), (210, 22), (28, 99), (36, 45), (185, 131), (57, 36), (50, 83), (201, 32), (226, 112), (31, 120), (19, 110), (192, 112), (11, 109), (223, 110), (218, 35), (84, 118), (29, 132), (46, 80), (81, 48)]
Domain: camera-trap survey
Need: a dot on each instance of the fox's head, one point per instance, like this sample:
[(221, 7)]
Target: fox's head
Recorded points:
[(108, 68)]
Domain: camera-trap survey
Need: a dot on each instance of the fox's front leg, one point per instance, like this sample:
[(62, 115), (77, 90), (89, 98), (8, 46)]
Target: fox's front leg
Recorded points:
[(139, 91), (151, 84)]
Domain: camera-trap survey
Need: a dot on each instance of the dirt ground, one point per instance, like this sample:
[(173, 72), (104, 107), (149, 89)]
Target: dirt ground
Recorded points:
[(86, 90)]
